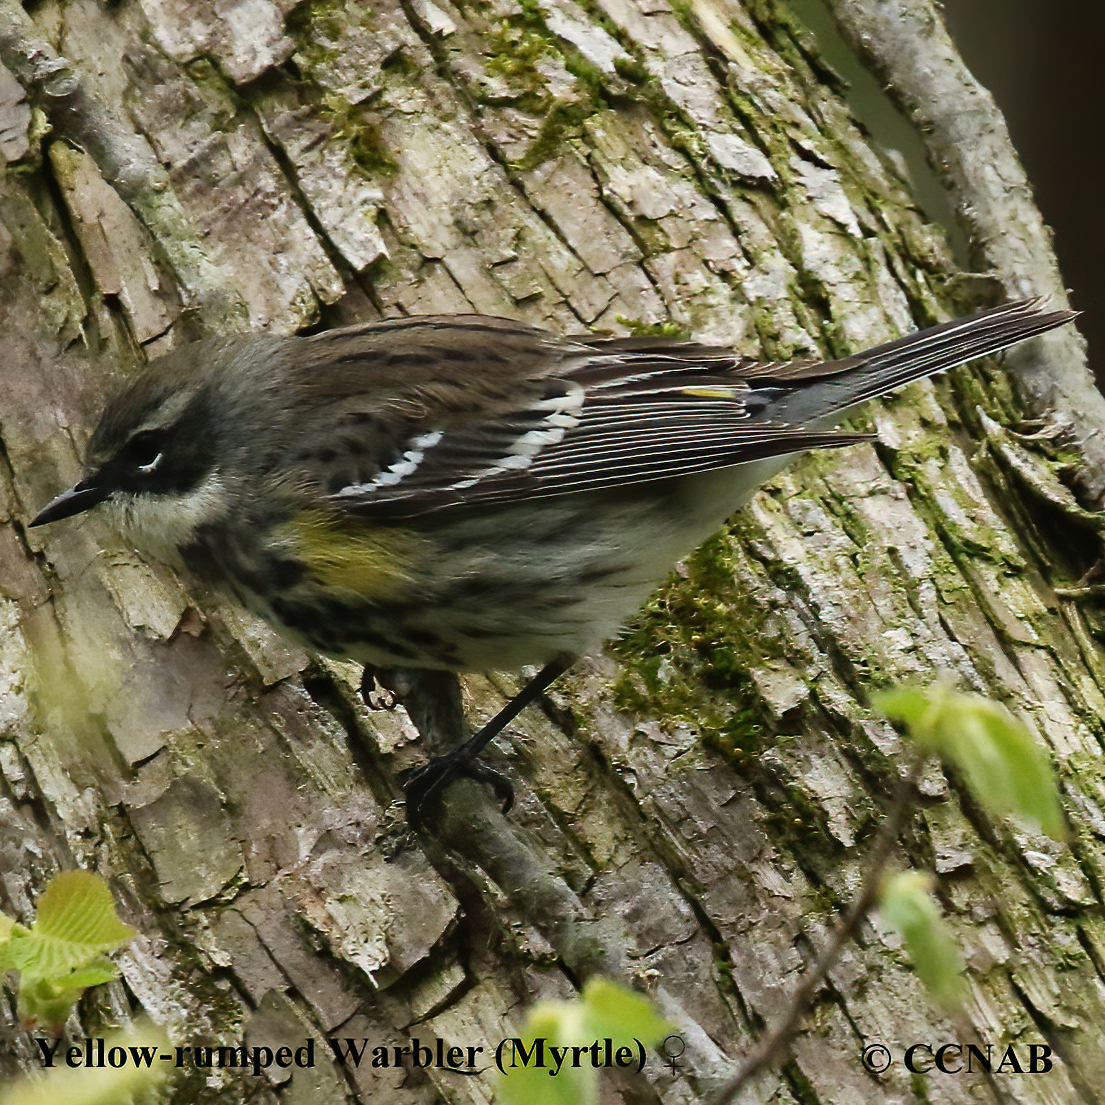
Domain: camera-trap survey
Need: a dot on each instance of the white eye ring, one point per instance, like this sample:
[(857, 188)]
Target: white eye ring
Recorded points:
[(145, 468)]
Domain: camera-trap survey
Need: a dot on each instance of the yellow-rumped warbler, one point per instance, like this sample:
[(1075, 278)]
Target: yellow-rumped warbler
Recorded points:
[(468, 493)]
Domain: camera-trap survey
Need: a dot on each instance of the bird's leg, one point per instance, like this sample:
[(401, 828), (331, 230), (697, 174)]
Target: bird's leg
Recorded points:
[(433, 701), (431, 698), (370, 684)]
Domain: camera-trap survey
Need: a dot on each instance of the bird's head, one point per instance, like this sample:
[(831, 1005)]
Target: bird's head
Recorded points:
[(153, 460)]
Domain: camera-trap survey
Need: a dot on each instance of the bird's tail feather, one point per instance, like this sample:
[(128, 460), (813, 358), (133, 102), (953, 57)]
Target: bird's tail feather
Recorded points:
[(885, 368)]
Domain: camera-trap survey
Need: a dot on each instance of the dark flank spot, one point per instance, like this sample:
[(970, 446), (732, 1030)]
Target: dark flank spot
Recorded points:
[(287, 573), (391, 646), (337, 483), (422, 637), (360, 418), (200, 556), (327, 455), (319, 616), (324, 639), (335, 627), (335, 612), (290, 613), (271, 577)]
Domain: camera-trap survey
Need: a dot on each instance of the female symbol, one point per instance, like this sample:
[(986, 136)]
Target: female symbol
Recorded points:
[(668, 1046)]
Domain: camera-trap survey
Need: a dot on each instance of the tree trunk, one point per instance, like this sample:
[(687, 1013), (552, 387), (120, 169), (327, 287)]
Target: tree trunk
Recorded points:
[(693, 805)]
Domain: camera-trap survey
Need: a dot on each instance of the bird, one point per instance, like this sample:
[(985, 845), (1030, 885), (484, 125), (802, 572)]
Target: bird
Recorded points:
[(464, 492)]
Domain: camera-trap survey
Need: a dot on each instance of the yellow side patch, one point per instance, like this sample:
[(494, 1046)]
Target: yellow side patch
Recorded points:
[(375, 562)]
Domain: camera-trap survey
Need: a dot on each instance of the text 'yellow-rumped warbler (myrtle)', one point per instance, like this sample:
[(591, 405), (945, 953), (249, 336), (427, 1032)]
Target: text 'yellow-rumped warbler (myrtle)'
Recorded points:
[(468, 493)]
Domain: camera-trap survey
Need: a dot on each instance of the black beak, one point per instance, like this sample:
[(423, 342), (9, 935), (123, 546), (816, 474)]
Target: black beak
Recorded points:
[(74, 501)]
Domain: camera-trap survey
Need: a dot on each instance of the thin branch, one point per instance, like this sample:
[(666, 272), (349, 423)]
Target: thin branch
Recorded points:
[(775, 1043)]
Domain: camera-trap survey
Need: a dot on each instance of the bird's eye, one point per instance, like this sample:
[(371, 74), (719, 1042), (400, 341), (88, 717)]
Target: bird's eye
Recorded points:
[(143, 451)]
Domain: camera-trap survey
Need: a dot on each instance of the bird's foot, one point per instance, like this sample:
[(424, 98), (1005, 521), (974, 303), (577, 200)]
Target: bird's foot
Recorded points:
[(428, 785)]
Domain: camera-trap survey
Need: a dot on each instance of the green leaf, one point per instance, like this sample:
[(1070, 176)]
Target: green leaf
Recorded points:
[(77, 906), (7, 927), (614, 1011), (42, 1001), (907, 705), (606, 1011), (76, 921), (539, 1082), (96, 973), (93, 1086), (906, 904), (50, 1000), (1003, 765)]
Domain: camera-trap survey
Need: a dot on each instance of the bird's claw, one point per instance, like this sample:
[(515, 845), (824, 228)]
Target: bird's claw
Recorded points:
[(428, 785)]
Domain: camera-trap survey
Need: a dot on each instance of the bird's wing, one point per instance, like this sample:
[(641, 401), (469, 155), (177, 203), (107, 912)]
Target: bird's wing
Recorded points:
[(608, 419), (606, 412)]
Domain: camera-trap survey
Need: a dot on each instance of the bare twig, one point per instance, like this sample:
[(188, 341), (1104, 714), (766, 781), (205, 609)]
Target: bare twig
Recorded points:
[(773, 1045), (1093, 591)]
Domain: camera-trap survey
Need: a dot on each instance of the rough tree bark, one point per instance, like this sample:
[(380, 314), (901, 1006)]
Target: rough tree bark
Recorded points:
[(693, 807)]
